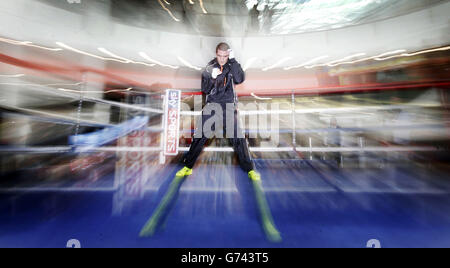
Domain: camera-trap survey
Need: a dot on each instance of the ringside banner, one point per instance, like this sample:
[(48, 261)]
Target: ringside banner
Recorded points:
[(172, 122)]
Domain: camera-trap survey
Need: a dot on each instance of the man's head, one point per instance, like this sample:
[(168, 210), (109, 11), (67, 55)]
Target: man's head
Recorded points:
[(222, 53)]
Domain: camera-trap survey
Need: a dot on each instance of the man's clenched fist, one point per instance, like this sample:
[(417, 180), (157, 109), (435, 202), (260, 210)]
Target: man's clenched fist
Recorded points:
[(215, 73)]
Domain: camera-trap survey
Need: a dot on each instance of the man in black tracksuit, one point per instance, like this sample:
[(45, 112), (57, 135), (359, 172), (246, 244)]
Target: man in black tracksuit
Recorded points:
[(218, 81), (218, 84)]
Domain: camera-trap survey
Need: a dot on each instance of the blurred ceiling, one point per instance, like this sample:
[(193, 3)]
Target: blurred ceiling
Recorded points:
[(248, 17)]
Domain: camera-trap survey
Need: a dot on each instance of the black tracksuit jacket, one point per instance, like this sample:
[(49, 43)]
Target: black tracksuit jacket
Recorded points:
[(221, 89)]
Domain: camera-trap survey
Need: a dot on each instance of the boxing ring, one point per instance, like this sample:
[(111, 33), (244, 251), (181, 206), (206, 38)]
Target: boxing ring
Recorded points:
[(372, 192)]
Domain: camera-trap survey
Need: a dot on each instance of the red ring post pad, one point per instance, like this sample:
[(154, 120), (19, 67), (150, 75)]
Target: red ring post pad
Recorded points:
[(86, 142)]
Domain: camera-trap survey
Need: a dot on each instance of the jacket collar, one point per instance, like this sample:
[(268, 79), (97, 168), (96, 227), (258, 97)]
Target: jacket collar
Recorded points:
[(216, 64)]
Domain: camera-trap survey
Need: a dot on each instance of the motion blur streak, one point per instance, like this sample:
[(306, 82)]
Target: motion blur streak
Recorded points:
[(345, 106), (27, 43)]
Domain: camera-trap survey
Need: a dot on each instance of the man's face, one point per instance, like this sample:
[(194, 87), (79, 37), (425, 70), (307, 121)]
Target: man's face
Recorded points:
[(222, 57)]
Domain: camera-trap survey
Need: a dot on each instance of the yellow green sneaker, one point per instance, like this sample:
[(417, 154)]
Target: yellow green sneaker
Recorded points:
[(184, 172), (254, 176)]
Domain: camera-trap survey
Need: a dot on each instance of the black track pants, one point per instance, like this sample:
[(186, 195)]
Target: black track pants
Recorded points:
[(227, 128)]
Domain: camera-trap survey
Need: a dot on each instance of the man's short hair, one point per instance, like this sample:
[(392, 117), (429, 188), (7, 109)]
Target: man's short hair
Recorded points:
[(223, 47)]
